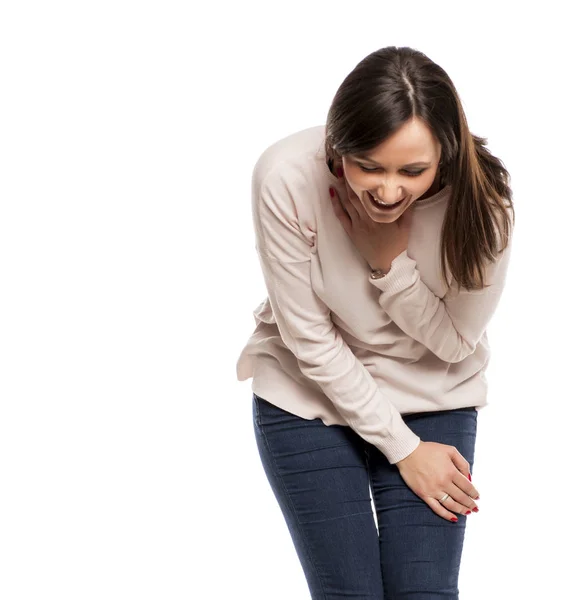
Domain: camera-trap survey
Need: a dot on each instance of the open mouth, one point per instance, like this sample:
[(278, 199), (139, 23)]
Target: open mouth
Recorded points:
[(385, 207)]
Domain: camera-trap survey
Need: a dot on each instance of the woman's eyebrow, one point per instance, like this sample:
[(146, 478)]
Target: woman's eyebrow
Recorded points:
[(422, 163)]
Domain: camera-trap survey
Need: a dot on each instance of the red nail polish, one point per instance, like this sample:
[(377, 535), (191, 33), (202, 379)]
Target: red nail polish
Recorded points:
[(469, 477), (339, 172), (468, 512), (454, 520), (476, 509), (332, 192)]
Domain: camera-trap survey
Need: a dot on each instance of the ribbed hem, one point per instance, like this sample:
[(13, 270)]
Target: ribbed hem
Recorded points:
[(401, 275), (395, 441), (400, 444)]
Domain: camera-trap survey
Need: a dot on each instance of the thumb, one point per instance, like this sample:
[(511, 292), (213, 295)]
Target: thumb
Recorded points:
[(461, 463)]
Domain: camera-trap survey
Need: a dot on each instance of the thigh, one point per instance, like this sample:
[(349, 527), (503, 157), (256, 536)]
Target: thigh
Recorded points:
[(319, 476), (420, 552)]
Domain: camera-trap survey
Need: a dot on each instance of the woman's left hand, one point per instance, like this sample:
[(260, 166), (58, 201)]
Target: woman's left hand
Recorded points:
[(377, 243)]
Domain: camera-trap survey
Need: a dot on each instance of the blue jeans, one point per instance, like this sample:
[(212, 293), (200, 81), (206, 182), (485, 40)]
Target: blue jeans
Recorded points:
[(321, 476)]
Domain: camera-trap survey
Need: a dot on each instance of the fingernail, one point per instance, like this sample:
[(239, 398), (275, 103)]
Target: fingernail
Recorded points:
[(476, 509), (339, 171), (469, 477), (332, 192), (454, 520), (468, 512), (477, 498)]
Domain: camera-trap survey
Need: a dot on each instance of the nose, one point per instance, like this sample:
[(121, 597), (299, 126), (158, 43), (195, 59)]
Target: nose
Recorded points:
[(388, 190), (389, 195)]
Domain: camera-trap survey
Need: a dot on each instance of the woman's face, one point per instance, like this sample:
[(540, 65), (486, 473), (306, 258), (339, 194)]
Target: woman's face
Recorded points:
[(404, 167)]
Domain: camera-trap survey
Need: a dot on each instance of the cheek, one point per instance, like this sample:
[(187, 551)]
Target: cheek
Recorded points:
[(357, 180), (423, 182), (352, 181), (426, 181), (357, 183)]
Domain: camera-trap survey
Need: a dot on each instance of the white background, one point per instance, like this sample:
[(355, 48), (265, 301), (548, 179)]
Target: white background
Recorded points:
[(128, 276)]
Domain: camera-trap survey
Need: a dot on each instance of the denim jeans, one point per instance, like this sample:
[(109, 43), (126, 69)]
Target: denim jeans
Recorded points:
[(322, 477)]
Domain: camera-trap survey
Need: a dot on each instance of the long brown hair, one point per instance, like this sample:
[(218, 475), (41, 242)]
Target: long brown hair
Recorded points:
[(388, 88)]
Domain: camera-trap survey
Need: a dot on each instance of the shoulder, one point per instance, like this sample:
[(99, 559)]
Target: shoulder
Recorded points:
[(292, 159)]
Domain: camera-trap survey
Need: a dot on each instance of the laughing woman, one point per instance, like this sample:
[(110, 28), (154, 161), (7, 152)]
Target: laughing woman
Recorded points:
[(384, 239)]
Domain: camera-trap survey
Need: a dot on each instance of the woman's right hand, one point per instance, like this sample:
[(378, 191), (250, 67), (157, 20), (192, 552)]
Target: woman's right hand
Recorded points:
[(433, 470)]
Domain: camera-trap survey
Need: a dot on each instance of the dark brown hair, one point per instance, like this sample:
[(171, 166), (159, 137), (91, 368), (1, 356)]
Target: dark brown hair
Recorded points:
[(388, 88)]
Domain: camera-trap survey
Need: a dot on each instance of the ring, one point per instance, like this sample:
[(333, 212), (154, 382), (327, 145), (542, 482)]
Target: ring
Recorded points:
[(444, 498)]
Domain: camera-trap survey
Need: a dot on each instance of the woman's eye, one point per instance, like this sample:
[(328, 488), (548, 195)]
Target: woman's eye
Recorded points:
[(408, 173)]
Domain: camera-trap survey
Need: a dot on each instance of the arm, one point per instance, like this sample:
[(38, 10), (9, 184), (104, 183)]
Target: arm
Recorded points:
[(284, 249), (451, 328)]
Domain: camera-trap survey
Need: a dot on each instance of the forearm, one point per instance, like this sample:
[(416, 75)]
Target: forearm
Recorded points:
[(451, 327)]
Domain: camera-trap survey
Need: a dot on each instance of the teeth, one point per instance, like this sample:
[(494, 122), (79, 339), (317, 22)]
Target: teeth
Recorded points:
[(383, 203)]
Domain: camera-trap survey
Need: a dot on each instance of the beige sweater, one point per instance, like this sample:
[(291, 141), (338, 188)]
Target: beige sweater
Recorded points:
[(331, 342)]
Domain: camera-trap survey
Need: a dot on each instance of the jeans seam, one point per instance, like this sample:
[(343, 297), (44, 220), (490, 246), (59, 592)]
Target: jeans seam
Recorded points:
[(291, 502), (257, 415)]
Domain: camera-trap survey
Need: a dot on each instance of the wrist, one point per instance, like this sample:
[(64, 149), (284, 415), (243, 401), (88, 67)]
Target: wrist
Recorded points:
[(406, 460), (376, 272), (383, 266)]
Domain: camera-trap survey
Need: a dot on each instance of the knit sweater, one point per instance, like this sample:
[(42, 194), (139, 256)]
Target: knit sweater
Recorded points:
[(331, 342)]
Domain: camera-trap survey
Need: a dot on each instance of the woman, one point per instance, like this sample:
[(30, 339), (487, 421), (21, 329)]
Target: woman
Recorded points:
[(384, 240)]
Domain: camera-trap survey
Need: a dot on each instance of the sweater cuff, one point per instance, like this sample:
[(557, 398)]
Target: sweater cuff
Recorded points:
[(401, 275), (399, 446)]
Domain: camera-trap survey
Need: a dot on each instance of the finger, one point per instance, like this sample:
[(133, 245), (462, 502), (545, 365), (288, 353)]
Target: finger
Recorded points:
[(458, 500), (353, 205), (463, 479), (356, 205), (339, 168), (349, 205), (340, 212), (437, 507), (467, 488), (338, 205), (452, 505), (460, 462)]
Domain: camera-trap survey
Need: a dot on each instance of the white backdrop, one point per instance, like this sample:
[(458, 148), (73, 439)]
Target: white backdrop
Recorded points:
[(128, 133)]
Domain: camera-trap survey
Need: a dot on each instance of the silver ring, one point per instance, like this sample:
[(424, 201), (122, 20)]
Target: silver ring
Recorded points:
[(444, 498)]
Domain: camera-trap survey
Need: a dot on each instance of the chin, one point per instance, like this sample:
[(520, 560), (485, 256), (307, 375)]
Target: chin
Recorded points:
[(384, 219)]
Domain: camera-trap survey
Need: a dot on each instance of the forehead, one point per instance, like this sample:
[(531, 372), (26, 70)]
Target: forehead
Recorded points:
[(412, 142)]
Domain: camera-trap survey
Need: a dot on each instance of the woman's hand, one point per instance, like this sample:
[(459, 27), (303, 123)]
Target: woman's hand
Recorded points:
[(433, 470), (377, 243)]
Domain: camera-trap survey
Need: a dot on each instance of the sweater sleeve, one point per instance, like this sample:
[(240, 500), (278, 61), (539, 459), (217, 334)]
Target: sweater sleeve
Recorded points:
[(283, 244), (451, 327)]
